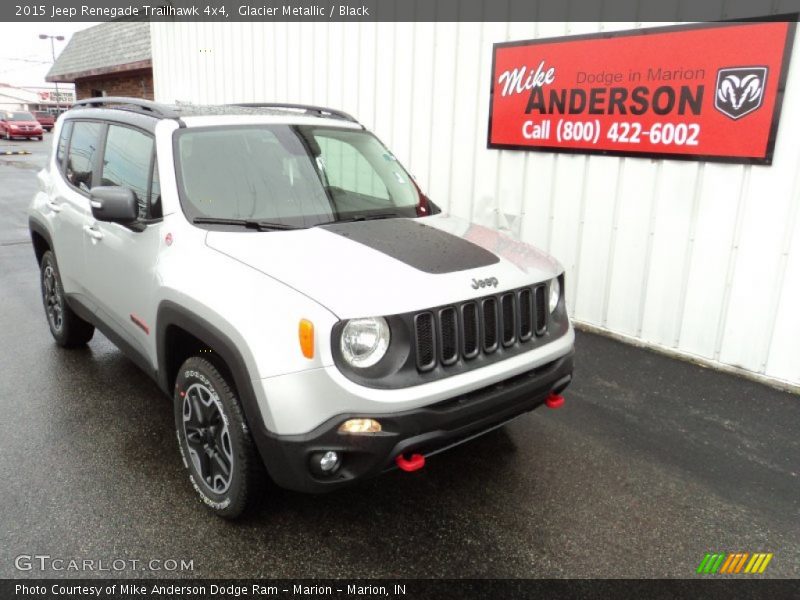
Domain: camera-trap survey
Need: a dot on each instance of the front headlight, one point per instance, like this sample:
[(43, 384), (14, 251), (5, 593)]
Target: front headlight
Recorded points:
[(365, 341), (555, 294)]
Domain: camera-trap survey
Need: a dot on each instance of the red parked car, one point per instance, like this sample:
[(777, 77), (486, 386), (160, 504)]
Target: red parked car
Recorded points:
[(46, 120), (19, 124)]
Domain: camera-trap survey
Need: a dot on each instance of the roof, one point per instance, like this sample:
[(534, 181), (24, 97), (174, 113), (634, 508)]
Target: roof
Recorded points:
[(264, 118), (255, 109), (275, 112), (111, 47)]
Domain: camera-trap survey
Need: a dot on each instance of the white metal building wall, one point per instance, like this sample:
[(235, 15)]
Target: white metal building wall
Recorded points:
[(699, 258)]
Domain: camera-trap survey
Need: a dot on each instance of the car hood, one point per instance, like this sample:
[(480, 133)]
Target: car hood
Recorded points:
[(389, 266)]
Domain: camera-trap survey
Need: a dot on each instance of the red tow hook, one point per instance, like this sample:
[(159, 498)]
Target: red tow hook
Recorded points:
[(414, 463), (554, 401)]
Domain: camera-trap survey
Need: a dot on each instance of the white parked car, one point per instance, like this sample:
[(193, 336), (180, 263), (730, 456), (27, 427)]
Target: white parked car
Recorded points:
[(285, 281)]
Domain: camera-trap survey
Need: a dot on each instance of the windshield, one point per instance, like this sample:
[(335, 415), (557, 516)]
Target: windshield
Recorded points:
[(291, 175), (19, 116)]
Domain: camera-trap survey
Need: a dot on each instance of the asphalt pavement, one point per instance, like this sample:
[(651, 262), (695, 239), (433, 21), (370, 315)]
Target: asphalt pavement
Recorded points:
[(651, 463)]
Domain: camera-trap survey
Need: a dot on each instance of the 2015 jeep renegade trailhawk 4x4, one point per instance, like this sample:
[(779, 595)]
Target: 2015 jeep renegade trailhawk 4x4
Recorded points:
[(284, 279)]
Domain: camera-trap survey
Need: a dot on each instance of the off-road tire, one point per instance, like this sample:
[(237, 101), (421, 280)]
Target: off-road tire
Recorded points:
[(67, 328), (199, 379)]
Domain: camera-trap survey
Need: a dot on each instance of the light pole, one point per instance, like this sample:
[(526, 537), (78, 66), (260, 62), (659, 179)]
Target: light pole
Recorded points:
[(60, 38)]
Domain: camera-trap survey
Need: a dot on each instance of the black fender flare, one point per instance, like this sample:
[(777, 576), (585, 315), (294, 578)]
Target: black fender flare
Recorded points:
[(36, 226), (173, 314)]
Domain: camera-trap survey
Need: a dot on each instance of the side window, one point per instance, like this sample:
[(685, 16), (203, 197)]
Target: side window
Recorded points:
[(346, 168), (81, 155), (126, 162), (61, 149)]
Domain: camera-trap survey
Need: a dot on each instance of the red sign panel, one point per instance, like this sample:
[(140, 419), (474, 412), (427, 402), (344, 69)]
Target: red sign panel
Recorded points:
[(704, 92)]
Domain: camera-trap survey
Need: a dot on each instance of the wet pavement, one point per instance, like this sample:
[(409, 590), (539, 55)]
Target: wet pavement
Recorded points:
[(650, 464)]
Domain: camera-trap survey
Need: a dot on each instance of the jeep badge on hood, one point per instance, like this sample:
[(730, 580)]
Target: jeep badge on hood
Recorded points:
[(481, 283)]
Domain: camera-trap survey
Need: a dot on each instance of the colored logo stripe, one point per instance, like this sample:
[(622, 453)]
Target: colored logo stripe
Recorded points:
[(734, 563), (758, 563), (710, 563), (727, 564)]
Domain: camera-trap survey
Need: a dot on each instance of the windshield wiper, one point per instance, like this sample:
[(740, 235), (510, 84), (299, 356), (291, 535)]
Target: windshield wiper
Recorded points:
[(249, 223), (368, 217)]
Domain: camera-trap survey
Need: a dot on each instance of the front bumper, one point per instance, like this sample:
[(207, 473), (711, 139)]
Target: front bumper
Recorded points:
[(424, 430), (25, 134)]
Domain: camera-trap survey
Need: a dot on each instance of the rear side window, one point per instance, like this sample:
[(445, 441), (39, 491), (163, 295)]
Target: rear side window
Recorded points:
[(126, 163), (82, 153), (61, 149)]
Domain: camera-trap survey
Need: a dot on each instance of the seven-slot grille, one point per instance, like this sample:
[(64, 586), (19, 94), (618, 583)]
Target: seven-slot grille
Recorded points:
[(465, 330)]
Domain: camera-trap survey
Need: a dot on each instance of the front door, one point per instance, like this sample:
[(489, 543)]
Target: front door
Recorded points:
[(121, 260)]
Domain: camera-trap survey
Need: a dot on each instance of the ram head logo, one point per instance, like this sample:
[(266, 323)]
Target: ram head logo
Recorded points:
[(740, 90)]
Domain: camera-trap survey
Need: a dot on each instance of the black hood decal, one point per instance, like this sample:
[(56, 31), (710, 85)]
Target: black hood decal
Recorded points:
[(425, 248)]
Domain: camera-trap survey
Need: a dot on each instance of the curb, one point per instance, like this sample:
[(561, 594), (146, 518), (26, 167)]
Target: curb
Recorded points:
[(773, 382), (13, 152)]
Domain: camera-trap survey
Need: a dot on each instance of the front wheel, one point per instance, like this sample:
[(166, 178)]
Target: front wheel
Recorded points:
[(214, 441), (67, 328)]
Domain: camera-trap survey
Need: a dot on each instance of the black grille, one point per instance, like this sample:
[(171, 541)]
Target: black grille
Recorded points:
[(489, 325), (470, 328), (525, 314), (541, 310), (426, 349), (466, 330), (448, 332), (509, 312)]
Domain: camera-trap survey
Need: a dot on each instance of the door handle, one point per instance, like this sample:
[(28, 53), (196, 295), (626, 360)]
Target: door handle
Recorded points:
[(93, 233), (54, 206)]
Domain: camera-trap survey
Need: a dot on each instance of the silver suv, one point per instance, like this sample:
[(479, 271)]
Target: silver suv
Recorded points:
[(282, 277)]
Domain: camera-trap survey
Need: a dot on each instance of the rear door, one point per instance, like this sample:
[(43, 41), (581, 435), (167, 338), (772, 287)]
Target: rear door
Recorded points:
[(79, 142)]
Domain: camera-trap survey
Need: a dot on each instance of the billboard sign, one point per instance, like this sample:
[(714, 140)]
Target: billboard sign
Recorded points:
[(708, 91)]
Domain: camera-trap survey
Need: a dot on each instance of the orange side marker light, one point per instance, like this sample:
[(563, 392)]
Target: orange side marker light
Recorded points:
[(306, 335)]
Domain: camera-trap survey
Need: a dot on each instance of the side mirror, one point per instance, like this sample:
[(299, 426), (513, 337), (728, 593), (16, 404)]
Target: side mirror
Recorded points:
[(114, 204)]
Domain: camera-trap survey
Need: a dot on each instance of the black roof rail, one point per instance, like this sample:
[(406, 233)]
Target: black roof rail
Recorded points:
[(308, 108), (136, 104)]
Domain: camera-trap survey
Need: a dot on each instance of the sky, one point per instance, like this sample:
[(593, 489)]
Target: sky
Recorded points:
[(24, 58)]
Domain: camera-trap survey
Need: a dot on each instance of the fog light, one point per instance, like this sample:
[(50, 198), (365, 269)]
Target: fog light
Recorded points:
[(360, 426), (329, 461)]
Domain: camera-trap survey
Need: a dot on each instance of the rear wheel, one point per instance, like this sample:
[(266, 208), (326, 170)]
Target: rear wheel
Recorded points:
[(214, 441), (67, 328)]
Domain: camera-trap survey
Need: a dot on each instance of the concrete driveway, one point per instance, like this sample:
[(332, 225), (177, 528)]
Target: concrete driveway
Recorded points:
[(651, 464)]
